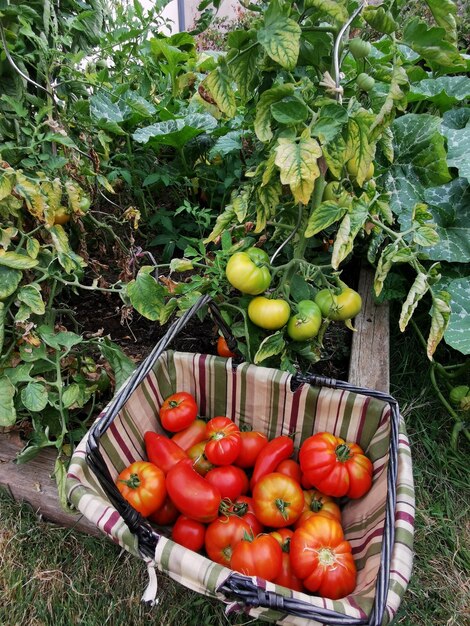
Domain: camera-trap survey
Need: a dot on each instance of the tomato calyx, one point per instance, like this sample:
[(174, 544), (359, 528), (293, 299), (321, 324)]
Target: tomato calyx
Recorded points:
[(133, 481), (326, 557), (282, 505), (316, 505), (343, 452)]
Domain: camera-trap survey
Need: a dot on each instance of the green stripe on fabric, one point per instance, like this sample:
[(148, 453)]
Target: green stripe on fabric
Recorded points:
[(149, 397), (219, 384), (276, 407), (307, 421), (346, 416), (404, 490), (404, 536), (378, 449), (396, 587), (168, 385), (367, 521), (373, 548), (374, 414), (165, 556), (211, 577), (137, 434)]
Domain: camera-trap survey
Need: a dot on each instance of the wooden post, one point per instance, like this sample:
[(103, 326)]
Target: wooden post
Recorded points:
[(369, 365)]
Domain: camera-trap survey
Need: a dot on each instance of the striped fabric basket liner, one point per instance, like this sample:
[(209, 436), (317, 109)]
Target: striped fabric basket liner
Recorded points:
[(379, 525)]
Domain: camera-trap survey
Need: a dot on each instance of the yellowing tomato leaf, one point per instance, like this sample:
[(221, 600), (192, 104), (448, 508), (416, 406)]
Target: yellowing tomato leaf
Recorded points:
[(297, 162), (280, 36), (218, 84), (263, 118), (440, 316)]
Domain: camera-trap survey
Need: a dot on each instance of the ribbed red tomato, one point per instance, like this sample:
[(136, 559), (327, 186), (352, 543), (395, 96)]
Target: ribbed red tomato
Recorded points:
[(222, 536), (223, 441), (261, 557)]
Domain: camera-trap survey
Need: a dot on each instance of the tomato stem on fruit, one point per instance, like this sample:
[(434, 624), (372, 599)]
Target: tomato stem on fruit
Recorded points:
[(282, 506), (343, 453), (133, 482)]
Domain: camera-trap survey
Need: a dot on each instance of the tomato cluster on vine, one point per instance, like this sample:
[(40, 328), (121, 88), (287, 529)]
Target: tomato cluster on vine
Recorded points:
[(242, 499)]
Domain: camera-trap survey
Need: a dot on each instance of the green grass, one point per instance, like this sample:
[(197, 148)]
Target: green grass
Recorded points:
[(51, 576)]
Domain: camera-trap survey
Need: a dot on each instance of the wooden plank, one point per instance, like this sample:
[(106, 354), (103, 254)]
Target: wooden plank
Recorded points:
[(32, 482), (369, 364)]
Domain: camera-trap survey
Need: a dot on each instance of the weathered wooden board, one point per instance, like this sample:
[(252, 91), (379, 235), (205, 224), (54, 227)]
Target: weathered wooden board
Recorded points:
[(369, 365), (32, 482)]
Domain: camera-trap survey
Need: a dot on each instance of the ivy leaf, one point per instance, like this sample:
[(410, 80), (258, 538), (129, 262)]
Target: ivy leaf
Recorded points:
[(335, 10), (444, 91), (324, 215), (218, 84), (440, 317), (456, 128), (450, 208), (17, 261), (146, 295), (270, 346), (445, 14), (431, 44), (9, 281), (420, 162), (262, 123), (280, 36), (297, 161), (456, 334), (417, 291), (34, 396), (7, 406)]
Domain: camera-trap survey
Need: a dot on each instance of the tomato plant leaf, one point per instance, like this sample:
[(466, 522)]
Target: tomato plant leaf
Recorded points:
[(70, 395), (440, 317), (335, 155), (445, 14), (121, 364), (291, 110), (9, 280), (380, 19), (456, 334), (280, 36), (31, 192), (242, 60), (262, 123), (329, 123), (7, 406), (358, 145), (335, 11), (416, 292), (348, 230), (147, 296), (297, 162), (223, 220), (6, 184), (63, 339), (70, 261), (270, 346), (31, 296), (17, 261), (32, 247), (34, 396), (324, 215), (218, 84), (395, 99), (268, 196)]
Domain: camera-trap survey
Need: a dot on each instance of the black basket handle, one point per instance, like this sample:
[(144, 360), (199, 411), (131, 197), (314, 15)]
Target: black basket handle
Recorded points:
[(147, 536)]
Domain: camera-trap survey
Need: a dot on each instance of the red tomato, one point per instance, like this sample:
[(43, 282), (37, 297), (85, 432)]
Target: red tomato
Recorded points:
[(200, 462), (191, 493), (243, 507), (258, 557), (286, 577), (163, 452), (318, 503), (271, 455), (252, 442), (230, 480), (322, 559), (190, 436), (223, 349), (178, 411), (189, 533), (166, 514), (291, 468), (334, 467), (222, 536), (278, 500), (142, 484), (224, 441)]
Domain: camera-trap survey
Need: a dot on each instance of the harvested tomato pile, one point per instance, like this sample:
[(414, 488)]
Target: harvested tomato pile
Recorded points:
[(244, 501)]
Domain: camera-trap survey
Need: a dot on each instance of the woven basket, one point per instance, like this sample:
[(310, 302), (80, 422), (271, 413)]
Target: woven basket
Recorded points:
[(379, 526)]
